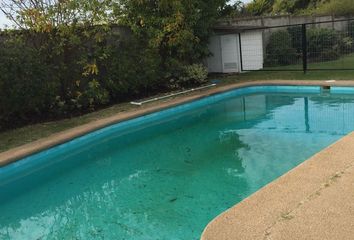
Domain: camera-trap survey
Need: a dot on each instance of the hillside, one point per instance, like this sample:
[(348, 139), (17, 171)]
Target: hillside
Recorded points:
[(276, 7)]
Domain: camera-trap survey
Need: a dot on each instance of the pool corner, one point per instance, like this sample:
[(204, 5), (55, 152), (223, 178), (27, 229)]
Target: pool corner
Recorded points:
[(312, 201)]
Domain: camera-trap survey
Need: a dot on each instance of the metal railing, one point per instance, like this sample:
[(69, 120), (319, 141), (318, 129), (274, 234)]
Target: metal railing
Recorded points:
[(315, 46)]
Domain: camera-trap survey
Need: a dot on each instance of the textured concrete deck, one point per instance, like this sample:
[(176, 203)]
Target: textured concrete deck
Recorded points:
[(59, 138), (313, 201)]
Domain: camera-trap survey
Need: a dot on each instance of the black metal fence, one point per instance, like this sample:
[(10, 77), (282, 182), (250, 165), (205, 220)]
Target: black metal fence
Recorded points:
[(306, 47)]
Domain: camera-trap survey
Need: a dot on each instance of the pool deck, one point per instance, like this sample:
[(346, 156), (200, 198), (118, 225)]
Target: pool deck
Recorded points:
[(313, 201)]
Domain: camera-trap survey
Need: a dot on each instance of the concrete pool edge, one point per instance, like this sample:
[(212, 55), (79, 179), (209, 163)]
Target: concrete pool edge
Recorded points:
[(312, 201), (21, 152)]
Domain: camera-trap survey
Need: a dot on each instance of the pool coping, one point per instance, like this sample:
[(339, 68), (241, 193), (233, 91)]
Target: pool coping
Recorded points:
[(23, 151), (312, 201)]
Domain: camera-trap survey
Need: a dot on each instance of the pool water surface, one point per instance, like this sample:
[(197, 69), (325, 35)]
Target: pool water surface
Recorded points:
[(167, 174)]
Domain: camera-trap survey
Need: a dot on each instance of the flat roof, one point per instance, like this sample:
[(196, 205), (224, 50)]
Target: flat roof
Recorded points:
[(233, 29)]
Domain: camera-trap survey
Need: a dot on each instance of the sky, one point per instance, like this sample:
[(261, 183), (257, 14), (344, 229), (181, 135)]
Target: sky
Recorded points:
[(4, 21)]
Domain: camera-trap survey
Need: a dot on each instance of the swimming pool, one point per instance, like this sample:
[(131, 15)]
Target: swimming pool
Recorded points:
[(167, 174)]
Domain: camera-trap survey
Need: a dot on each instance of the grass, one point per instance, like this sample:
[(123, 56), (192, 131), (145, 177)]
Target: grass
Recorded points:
[(344, 62), (17, 137), (312, 75), (20, 136)]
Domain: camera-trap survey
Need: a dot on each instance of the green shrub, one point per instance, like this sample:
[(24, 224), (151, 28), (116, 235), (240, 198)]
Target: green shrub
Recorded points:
[(336, 7), (351, 34), (351, 29), (133, 72), (280, 50), (27, 87), (68, 72), (328, 55), (95, 95), (345, 44), (193, 74), (323, 42), (296, 37)]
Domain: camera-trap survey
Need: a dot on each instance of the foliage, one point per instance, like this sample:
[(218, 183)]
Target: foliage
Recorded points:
[(296, 37), (26, 85), (276, 7), (45, 15), (336, 7), (260, 7), (329, 54), (346, 44), (82, 61), (195, 74), (285, 47), (351, 29), (236, 9), (290, 7), (178, 30), (323, 43), (135, 73), (280, 50)]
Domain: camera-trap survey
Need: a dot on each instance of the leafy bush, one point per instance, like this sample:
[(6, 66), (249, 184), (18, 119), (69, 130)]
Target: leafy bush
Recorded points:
[(95, 95), (323, 42), (193, 74), (296, 37), (74, 61), (329, 55), (345, 44), (27, 87), (70, 71), (280, 50), (134, 72), (336, 7), (351, 29), (351, 34)]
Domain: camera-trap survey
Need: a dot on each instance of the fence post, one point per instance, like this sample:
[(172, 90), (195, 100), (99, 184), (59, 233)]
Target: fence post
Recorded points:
[(240, 49), (304, 48)]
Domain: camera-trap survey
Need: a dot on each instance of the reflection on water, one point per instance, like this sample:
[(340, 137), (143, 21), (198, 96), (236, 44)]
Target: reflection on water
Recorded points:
[(168, 180)]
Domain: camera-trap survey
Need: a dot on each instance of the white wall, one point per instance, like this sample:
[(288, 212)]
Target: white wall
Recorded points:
[(252, 50)]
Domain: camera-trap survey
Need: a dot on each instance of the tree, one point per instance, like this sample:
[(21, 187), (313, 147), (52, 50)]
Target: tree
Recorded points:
[(237, 9), (336, 7), (65, 35), (44, 15), (275, 7), (178, 29), (290, 7), (260, 7)]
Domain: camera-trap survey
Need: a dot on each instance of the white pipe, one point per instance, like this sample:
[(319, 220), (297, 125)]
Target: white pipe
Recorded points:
[(171, 95)]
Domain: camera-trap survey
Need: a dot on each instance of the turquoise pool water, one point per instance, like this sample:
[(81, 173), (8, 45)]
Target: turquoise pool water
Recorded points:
[(166, 175)]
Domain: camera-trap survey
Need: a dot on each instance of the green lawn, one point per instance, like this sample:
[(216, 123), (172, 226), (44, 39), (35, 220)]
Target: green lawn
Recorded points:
[(344, 62), (17, 137), (20, 136)]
